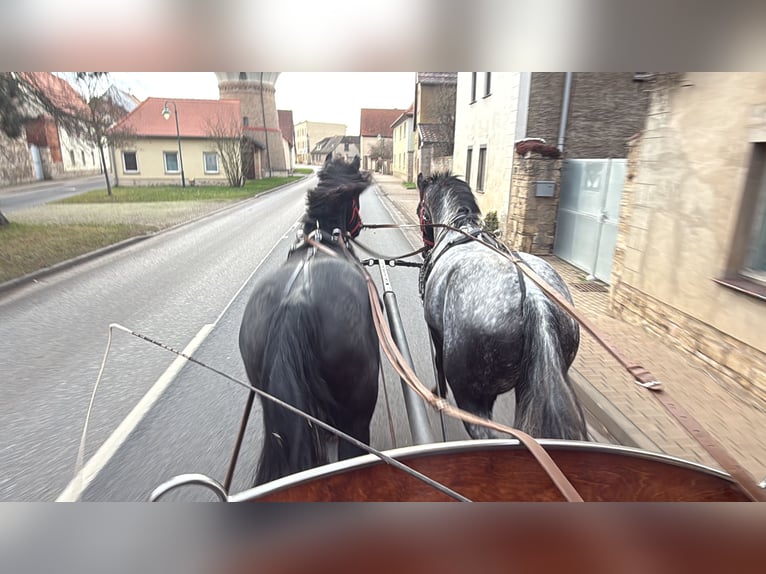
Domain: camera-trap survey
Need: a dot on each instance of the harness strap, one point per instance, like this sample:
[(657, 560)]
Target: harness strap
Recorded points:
[(408, 375)]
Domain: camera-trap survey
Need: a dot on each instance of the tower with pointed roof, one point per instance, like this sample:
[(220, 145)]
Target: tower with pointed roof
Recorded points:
[(260, 120)]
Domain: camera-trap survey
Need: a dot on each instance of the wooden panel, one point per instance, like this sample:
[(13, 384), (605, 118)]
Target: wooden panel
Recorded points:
[(512, 475)]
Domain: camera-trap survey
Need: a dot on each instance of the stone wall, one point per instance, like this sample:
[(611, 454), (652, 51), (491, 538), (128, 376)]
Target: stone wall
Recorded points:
[(442, 163), (605, 109), (15, 161), (675, 227), (531, 223)]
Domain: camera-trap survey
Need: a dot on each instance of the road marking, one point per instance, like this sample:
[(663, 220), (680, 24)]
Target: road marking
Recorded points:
[(107, 450)]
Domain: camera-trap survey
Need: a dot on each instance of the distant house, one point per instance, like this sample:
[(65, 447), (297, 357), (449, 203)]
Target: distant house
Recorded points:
[(434, 121), (288, 137), (151, 157), (376, 133), (309, 134), (345, 147), (404, 146)]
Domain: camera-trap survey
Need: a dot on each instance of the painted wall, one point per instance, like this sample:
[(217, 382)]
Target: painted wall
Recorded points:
[(151, 166), (489, 121)]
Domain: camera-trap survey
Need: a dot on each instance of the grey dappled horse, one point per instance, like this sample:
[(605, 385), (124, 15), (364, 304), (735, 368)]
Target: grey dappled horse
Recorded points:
[(492, 329), (308, 338)]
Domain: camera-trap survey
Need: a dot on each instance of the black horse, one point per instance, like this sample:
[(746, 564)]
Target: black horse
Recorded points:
[(492, 329), (308, 338)]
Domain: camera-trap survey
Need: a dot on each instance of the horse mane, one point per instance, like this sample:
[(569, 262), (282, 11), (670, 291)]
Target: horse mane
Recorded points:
[(456, 207), (339, 181)]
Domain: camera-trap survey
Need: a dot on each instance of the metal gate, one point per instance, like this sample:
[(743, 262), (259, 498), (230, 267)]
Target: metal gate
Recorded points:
[(37, 162), (589, 211)]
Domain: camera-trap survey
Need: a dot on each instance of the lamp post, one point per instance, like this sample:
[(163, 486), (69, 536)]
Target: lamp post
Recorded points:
[(166, 115)]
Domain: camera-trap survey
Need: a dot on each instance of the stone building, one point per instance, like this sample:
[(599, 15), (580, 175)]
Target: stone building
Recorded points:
[(257, 96), (690, 262)]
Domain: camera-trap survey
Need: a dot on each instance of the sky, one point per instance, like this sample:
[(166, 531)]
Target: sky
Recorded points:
[(334, 97)]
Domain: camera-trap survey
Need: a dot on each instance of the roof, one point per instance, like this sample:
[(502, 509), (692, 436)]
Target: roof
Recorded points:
[(194, 117), (58, 91), (286, 125), (126, 101), (433, 133), (327, 145), (408, 114), (376, 121), (437, 77)]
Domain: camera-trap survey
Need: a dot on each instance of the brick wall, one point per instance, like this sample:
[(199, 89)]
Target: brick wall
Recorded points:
[(605, 109)]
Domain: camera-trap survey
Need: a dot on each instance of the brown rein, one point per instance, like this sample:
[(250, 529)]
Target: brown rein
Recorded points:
[(406, 373), (643, 377)]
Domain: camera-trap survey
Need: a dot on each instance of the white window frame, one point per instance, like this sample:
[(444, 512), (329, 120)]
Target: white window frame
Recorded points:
[(165, 155), (124, 168), (204, 161)]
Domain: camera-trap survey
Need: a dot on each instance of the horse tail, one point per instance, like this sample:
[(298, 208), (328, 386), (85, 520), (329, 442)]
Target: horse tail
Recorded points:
[(546, 404), (291, 373)]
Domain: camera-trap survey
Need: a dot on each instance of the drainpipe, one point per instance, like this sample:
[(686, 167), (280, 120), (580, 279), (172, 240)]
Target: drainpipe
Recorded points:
[(564, 109)]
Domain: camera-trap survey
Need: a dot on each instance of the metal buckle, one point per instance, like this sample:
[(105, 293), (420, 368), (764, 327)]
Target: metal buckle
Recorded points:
[(762, 484), (651, 385)]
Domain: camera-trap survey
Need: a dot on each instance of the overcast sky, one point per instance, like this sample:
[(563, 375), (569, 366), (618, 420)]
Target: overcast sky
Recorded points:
[(335, 97)]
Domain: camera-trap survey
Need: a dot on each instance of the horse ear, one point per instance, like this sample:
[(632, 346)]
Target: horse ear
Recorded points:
[(421, 184), (355, 163)]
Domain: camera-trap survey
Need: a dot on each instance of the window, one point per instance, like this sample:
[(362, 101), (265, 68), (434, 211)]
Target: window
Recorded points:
[(243, 75), (245, 121), (129, 162), (473, 87), (171, 161), (211, 161), (82, 152), (71, 157), (92, 158), (482, 163), (755, 251), (345, 147), (746, 267), (487, 83), (468, 159)]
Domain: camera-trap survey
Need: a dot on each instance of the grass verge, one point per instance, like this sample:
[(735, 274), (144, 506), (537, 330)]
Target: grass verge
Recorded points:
[(33, 245), (26, 247), (175, 193)]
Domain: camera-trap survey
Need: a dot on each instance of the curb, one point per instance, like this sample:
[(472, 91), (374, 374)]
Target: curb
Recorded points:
[(34, 276)]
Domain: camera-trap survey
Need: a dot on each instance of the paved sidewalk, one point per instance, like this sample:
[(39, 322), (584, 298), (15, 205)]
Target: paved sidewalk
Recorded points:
[(643, 422)]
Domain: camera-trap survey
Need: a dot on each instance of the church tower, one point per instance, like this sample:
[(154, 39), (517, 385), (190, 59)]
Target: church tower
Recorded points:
[(257, 96)]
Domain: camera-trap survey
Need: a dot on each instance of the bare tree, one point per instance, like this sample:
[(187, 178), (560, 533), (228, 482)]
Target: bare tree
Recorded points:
[(89, 114), (382, 149), (97, 123), (228, 136)]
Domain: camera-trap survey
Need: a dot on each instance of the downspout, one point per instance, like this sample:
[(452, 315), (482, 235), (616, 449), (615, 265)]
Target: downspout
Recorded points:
[(565, 109)]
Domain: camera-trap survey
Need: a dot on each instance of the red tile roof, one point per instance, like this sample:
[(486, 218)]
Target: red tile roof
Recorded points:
[(408, 114), (58, 90), (374, 122), (194, 117), (286, 125)]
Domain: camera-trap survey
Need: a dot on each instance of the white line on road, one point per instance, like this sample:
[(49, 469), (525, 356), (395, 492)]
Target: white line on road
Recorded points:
[(104, 454)]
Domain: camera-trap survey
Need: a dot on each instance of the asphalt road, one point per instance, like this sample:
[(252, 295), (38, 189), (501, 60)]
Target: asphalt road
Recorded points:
[(188, 285), (46, 191)]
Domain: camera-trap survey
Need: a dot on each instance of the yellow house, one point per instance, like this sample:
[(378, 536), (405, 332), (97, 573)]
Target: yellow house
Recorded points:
[(176, 142)]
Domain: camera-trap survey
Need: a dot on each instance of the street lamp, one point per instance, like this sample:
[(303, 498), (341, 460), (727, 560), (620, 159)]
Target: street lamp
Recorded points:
[(166, 115)]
